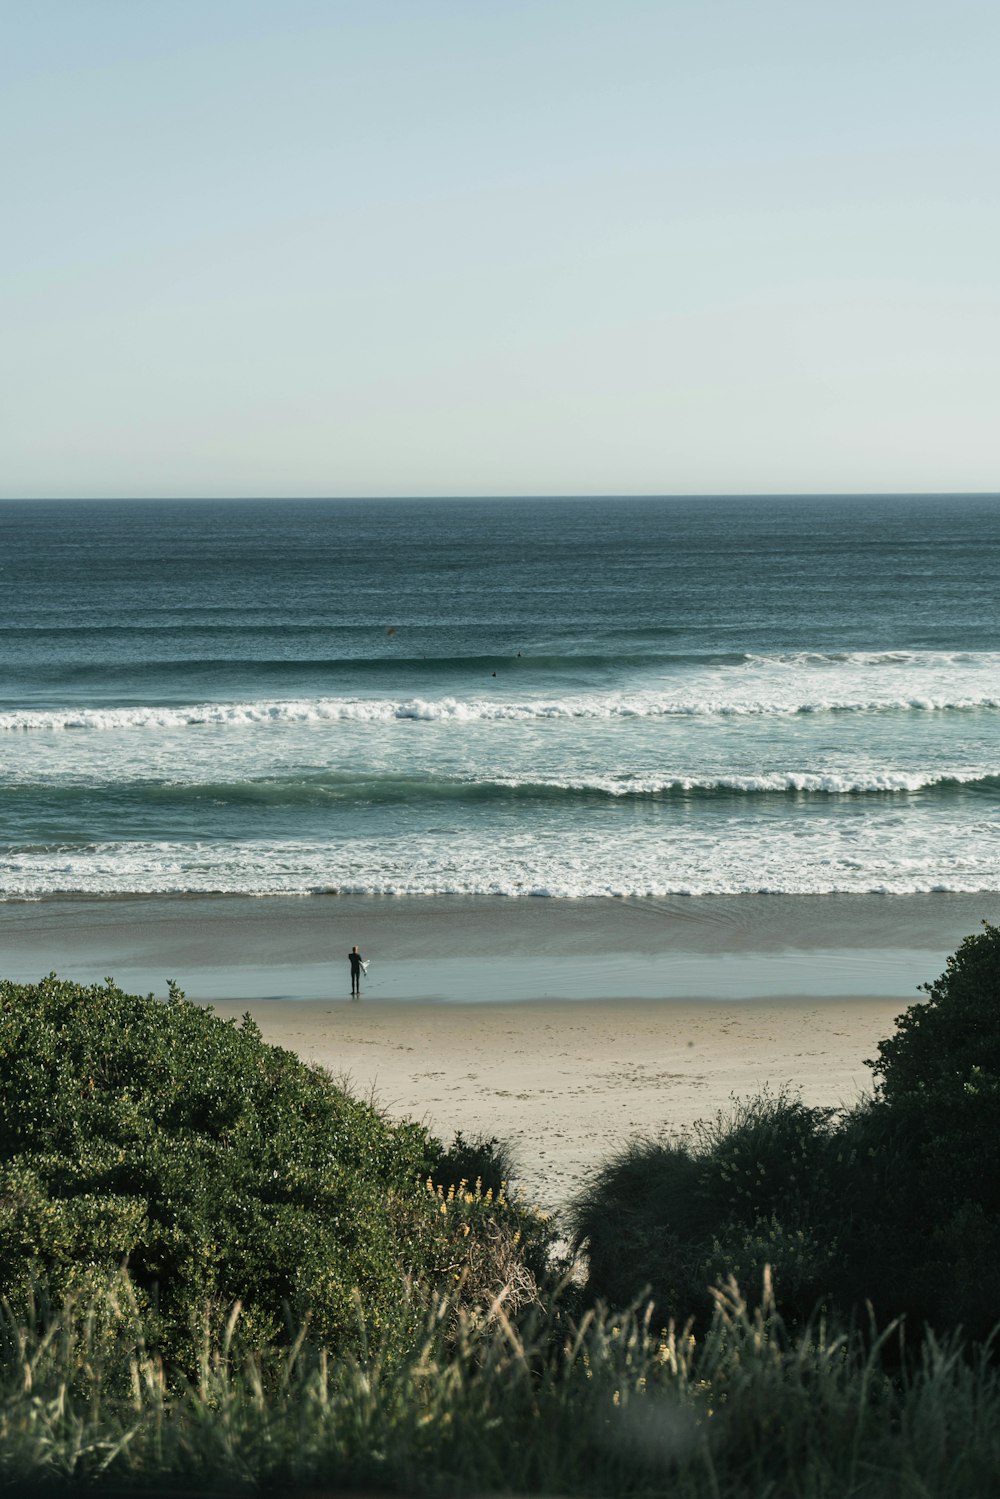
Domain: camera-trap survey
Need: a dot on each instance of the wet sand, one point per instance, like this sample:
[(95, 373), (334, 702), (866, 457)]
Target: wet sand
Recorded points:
[(464, 949)]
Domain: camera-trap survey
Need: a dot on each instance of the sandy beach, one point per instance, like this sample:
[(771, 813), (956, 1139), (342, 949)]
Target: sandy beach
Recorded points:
[(566, 1084), (562, 1027)]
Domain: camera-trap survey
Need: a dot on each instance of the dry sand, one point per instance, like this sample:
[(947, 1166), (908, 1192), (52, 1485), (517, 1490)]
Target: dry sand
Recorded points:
[(566, 1084)]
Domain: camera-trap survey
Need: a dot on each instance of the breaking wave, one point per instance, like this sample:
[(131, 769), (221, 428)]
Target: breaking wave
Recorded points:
[(476, 710), (324, 788)]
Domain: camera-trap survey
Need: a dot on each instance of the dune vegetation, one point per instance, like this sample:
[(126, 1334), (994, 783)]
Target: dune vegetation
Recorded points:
[(893, 1204), (222, 1273), (218, 1168)]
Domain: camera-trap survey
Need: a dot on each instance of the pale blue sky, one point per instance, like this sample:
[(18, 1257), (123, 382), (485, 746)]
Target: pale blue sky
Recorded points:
[(430, 247)]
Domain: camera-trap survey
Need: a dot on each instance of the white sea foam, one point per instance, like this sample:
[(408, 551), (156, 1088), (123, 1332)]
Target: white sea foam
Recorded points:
[(481, 710), (869, 856), (810, 783), (860, 659)]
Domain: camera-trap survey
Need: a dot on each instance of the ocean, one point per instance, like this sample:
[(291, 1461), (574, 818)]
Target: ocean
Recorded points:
[(549, 698)]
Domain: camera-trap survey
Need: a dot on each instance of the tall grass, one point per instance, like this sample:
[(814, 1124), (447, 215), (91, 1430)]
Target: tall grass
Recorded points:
[(603, 1405)]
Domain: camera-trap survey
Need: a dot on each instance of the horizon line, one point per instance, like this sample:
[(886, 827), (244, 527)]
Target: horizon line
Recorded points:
[(525, 495)]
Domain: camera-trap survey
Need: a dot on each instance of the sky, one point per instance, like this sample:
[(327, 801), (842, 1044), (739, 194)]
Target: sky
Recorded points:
[(423, 247)]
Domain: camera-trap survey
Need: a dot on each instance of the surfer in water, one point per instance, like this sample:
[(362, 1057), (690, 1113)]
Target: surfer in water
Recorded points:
[(357, 962)]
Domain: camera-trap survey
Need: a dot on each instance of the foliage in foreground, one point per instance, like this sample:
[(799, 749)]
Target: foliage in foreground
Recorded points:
[(480, 1406), (216, 1166), (896, 1203)]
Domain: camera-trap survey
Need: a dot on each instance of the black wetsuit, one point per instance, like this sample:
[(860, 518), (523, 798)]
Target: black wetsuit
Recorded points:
[(355, 961)]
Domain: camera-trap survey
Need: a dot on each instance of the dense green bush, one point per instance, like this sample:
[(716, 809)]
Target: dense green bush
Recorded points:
[(741, 1191), (217, 1168), (949, 1043), (938, 1076), (927, 1149)]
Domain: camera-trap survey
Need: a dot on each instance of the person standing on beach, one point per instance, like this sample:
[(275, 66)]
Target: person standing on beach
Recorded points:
[(356, 961)]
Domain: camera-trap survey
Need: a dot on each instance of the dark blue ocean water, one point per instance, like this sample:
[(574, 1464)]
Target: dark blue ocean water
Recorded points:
[(563, 697)]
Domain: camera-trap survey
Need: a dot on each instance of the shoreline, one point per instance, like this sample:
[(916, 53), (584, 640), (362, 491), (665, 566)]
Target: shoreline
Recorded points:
[(491, 949)]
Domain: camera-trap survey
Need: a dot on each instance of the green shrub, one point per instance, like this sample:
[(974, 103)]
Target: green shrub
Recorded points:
[(951, 1040), (927, 1149), (799, 1259), (938, 1076), (745, 1189), (217, 1168), (473, 1177), (641, 1220), (488, 1161)]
